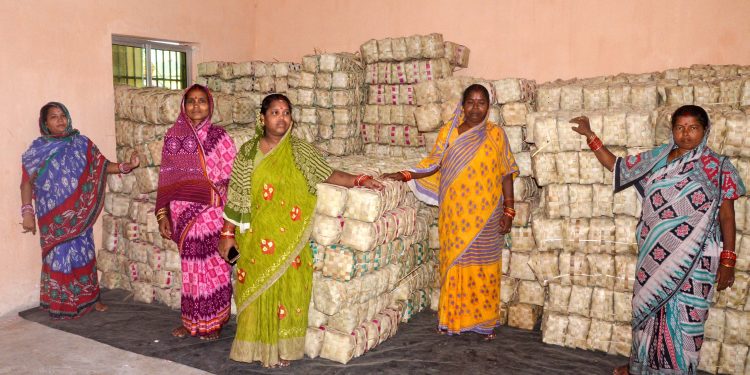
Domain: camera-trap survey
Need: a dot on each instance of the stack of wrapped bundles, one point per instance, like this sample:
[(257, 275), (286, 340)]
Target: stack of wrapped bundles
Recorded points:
[(374, 267), (327, 96), (584, 248), (394, 67), (133, 255), (249, 78)]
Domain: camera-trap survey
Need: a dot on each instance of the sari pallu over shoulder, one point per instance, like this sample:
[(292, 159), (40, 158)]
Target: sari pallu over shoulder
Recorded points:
[(680, 214), (182, 174), (69, 178), (280, 226)]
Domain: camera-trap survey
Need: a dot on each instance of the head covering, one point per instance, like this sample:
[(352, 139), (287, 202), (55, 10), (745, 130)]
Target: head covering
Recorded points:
[(44, 130), (183, 175)]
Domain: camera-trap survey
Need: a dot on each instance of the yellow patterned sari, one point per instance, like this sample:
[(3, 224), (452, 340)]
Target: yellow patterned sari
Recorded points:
[(468, 190)]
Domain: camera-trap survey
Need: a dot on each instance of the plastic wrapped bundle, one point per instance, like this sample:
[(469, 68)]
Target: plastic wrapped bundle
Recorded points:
[(554, 329), (548, 98), (338, 346), (556, 200), (590, 171), (326, 229), (544, 168), (524, 316), (732, 358), (544, 264), (595, 97), (457, 55), (545, 133), (574, 268), (568, 139), (571, 98), (515, 113), (625, 272), (601, 236), (548, 233), (614, 129), (576, 232), (640, 130), (578, 329), (519, 267)]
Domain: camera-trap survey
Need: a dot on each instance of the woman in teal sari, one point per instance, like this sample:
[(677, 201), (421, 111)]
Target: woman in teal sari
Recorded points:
[(268, 217), (688, 194)]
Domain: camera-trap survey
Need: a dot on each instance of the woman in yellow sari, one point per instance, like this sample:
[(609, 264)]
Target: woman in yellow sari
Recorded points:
[(469, 175)]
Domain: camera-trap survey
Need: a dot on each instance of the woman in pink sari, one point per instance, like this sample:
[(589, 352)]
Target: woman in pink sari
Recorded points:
[(196, 164)]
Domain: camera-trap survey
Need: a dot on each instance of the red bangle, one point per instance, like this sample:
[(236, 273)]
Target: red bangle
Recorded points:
[(361, 179), (728, 254), (727, 265), (595, 144), (406, 174)]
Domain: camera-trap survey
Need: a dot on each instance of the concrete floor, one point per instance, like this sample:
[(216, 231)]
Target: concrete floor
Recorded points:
[(30, 348)]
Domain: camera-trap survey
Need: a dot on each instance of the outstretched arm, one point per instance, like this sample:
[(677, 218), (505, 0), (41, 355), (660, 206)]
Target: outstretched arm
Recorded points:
[(349, 180), (606, 157)]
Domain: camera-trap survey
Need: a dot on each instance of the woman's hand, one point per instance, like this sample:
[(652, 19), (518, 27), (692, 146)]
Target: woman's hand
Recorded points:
[(135, 161), (505, 224), (226, 243), (393, 176), (29, 223), (724, 278), (372, 184), (584, 127), (165, 228)]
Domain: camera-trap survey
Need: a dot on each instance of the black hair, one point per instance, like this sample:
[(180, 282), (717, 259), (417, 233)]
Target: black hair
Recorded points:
[(45, 110), (692, 111), (476, 88), (272, 98)]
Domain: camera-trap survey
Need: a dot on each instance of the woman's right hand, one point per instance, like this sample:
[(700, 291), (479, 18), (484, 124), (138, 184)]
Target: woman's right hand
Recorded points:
[(29, 223), (584, 127), (226, 243), (392, 176), (165, 228)]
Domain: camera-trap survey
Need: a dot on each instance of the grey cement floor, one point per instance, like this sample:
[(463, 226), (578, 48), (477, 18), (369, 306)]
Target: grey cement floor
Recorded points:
[(30, 348)]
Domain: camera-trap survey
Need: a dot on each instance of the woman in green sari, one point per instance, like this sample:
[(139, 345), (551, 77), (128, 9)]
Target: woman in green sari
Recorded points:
[(268, 218)]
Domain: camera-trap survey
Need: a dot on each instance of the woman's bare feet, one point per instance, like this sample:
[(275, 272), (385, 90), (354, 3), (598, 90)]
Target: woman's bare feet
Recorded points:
[(622, 370), (100, 307), (213, 336), (282, 363), (491, 337), (180, 332)]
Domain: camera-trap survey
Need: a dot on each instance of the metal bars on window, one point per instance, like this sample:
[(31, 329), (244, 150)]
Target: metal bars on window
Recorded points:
[(140, 62)]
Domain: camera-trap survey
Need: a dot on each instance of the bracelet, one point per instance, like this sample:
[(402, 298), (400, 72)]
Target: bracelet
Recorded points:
[(509, 212), (162, 213), (227, 234), (727, 265), (728, 254), (595, 144), (361, 179), (27, 209), (123, 169), (406, 174)]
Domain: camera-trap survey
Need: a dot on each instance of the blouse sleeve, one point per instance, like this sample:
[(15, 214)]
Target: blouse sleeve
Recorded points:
[(732, 186)]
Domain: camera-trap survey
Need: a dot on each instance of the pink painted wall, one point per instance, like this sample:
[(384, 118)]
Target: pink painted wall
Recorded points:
[(539, 39), (61, 50)]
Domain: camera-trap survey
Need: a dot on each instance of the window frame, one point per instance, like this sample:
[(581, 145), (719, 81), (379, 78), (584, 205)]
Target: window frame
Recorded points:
[(148, 44)]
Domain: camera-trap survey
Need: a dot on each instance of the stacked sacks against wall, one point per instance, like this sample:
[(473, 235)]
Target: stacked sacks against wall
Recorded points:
[(133, 254), (589, 291), (394, 67), (374, 267), (239, 88), (327, 94)]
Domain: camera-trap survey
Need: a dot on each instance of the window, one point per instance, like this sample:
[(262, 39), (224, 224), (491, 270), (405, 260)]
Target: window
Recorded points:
[(143, 63)]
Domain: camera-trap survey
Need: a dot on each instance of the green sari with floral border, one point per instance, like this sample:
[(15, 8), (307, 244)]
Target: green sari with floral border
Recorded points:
[(272, 200)]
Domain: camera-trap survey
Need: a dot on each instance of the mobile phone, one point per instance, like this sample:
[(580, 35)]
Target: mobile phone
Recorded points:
[(233, 255)]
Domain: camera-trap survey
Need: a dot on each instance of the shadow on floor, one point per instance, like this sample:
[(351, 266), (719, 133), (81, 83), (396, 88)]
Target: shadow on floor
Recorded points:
[(416, 349)]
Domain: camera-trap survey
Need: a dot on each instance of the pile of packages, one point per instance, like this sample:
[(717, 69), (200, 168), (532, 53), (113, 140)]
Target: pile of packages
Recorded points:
[(392, 123), (327, 95), (375, 265), (571, 255)]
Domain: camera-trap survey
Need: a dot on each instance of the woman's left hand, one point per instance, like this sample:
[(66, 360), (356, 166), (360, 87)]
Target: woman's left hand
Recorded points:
[(372, 184), (506, 222), (724, 278)]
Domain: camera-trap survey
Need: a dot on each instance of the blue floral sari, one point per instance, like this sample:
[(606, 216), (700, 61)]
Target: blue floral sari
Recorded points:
[(679, 242)]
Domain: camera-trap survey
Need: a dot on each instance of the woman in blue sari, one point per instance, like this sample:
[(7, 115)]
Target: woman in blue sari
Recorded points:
[(65, 174), (688, 194)]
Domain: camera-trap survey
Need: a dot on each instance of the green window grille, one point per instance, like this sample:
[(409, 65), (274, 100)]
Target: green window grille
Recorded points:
[(145, 63)]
